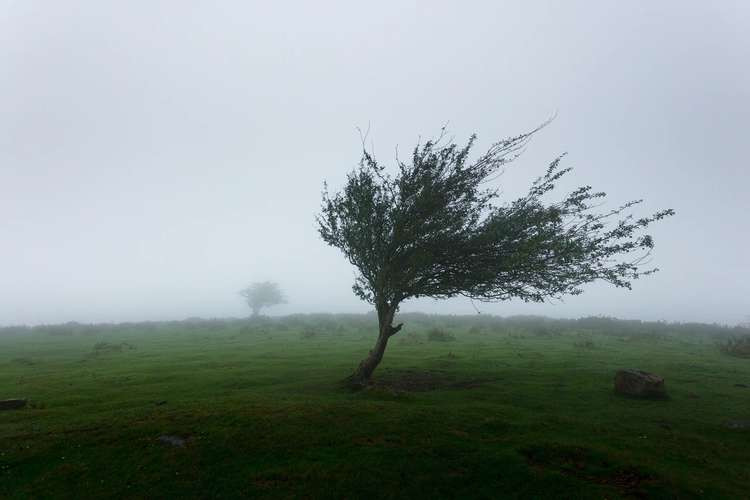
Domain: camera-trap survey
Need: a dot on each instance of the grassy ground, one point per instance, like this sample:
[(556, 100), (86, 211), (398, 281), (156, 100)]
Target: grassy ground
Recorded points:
[(510, 409)]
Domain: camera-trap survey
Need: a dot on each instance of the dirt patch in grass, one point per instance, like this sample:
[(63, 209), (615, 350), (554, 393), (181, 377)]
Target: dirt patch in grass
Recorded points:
[(424, 380), (594, 467)]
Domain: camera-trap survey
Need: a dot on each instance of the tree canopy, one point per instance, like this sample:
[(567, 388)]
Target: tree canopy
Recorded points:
[(262, 294), (433, 228)]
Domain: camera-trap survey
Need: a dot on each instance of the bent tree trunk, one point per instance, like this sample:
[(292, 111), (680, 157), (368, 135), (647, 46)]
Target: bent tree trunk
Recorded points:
[(363, 374)]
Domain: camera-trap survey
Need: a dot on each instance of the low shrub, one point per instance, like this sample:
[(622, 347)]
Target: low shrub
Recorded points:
[(106, 347), (438, 335), (585, 344), (736, 346), (411, 338)]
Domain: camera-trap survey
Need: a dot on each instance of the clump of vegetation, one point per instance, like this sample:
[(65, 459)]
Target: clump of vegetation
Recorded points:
[(736, 346), (476, 330), (543, 330), (411, 338), (107, 348), (585, 344), (309, 333), (438, 335)]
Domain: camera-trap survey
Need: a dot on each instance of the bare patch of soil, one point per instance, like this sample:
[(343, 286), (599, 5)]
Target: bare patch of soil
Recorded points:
[(591, 466)]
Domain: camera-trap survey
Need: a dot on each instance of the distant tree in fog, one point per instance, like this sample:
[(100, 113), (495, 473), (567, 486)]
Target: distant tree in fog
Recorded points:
[(431, 229), (262, 294)]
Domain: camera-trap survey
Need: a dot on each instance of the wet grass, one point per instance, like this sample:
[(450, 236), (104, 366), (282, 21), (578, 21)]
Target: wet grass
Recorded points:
[(258, 410)]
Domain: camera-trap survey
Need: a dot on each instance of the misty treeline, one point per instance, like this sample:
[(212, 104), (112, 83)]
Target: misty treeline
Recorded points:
[(363, 324)]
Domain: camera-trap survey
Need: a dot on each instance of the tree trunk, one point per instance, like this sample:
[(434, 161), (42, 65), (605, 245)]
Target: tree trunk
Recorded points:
[(363, 374), (256, 311)]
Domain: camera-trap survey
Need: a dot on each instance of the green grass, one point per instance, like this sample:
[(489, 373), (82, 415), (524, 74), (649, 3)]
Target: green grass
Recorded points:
[(510, 409)]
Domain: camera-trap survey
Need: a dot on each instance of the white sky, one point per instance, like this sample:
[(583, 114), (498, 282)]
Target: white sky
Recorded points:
[(158, 156)]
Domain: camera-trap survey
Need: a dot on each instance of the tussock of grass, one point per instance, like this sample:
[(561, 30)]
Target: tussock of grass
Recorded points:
[(108, 348), (438, 335)]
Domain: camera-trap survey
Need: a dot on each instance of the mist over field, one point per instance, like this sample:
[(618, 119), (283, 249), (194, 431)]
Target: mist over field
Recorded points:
[(157, 157), (390, 250)]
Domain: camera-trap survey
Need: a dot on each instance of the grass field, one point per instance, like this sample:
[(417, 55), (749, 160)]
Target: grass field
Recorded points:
[(513, 408)]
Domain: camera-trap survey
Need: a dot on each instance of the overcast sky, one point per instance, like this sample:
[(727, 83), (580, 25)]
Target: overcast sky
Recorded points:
[(158, 156)]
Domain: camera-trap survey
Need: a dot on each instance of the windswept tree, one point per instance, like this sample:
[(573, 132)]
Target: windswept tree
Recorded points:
[(432, 228), (262, 294)]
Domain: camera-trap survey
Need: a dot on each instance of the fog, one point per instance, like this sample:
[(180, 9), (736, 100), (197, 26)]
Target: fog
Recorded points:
[(157, 157)]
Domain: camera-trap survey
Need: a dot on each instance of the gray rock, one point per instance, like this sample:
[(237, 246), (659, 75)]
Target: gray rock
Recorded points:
[(12, 404), (738, 424), (173, 440), (639, 384)]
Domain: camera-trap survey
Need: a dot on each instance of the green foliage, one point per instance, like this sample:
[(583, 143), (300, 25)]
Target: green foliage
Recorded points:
[(434, 230)]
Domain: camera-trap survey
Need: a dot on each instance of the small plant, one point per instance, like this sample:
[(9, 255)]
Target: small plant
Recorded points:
[(736, 346), (308, 333), (585, 344), (438, 335)]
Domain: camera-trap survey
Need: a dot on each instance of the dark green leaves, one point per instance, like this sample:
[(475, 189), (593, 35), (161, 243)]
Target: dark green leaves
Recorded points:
[(433, 230)]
